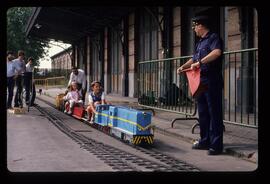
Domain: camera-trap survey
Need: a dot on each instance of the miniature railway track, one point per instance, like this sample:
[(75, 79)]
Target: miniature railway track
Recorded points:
[(118, 159)]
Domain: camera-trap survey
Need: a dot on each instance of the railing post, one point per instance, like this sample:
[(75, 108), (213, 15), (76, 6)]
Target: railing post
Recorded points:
[(46, 84)]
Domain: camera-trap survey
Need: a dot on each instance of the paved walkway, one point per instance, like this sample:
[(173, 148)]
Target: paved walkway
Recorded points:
[(34, 144), (238, 140)]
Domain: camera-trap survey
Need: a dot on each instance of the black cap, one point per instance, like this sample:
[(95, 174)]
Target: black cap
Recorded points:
[(202, 19)]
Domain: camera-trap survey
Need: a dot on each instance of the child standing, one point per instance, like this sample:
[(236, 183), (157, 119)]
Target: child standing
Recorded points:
[(72, 97), (96, 96)]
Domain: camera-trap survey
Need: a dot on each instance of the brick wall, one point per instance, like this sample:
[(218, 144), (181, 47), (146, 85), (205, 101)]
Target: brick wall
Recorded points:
[(234, 34), (61, 61), (176, 32)]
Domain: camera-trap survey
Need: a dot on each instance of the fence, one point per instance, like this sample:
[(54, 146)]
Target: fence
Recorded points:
[(42, 73), (51, 82), (240, 99), (160, 87), (47, 77)]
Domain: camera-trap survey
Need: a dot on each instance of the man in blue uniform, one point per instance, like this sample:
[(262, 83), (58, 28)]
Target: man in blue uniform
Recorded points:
[(208, 56)]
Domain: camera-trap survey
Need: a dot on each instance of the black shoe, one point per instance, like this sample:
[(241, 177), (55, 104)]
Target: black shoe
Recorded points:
[(199, 146), (214, 152)]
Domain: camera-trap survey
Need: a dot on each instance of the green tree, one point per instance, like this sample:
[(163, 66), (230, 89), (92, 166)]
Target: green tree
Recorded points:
[(17, 19)]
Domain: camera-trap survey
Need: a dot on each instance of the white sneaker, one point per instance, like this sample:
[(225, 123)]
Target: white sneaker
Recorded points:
[(65, 111), (92, 120), (69, 112)]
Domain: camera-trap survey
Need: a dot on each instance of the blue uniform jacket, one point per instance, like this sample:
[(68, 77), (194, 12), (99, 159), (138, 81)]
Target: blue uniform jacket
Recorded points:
[(210, 71)]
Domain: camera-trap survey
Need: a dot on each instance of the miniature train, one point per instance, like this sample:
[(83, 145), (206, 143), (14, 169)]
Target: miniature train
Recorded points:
[(125, 123)]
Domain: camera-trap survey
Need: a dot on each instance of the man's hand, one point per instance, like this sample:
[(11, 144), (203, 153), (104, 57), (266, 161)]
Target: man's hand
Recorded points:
[(194, 66), (179, 70)]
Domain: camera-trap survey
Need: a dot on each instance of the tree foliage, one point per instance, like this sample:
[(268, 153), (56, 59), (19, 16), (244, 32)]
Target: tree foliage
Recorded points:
[(17, 19)]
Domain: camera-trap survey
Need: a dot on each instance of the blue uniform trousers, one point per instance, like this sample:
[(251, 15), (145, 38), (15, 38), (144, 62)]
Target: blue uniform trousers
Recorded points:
[(211, 116)]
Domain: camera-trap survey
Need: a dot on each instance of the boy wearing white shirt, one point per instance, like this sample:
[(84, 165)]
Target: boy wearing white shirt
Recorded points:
[(96, 96)]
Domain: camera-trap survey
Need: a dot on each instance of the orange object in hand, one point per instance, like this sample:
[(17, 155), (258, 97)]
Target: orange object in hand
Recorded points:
[(194, 81)]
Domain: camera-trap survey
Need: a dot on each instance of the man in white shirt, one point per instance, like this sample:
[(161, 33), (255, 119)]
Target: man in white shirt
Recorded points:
[(78, 76), (20, 68), (28, 82), (11, 72)]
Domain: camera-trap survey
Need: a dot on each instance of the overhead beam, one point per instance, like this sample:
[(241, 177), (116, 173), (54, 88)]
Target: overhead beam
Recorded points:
[(32, 20)]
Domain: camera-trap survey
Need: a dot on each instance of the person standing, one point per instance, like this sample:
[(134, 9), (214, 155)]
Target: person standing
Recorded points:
[(28, 82), (11, 69), (78, 76), (20, 65), (208, 57)]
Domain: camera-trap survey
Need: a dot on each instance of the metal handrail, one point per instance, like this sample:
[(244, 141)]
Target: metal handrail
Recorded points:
[(186, 57)]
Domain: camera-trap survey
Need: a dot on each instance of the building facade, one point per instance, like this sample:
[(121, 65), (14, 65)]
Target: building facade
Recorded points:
[(110, 43), (62, 60)]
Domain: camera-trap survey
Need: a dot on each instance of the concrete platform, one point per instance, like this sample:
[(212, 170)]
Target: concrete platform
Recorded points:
[(34, 144), (238, 140), (17, 110)]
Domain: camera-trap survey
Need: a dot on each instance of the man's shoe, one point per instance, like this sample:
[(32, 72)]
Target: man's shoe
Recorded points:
[(197, 145), (214, 152)]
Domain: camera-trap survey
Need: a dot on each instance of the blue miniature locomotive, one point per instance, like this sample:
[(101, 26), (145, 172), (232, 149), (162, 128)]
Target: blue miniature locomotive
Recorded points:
[(126, 123)]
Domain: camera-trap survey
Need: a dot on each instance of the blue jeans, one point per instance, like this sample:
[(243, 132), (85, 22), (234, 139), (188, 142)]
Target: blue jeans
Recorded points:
[(18, 99), (27, 84), (10, 85)]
